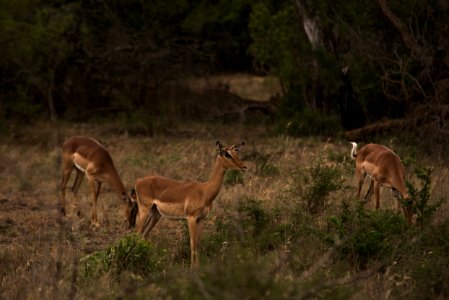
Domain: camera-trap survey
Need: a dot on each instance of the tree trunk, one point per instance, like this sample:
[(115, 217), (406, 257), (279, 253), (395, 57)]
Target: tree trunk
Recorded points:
[(51, 103)]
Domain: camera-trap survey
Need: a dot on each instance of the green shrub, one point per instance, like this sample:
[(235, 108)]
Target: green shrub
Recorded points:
[(309, 122), (255, 216), (233, 177), (219, 238), (239, 275), (264, 167), (424, 261), (420, 197), (315, 183), (367, 235), (263, 229), (297, 119), (131, 254), (255, 229)]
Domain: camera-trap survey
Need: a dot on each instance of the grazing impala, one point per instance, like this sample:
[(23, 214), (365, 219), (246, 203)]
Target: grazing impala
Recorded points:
[(384, 167), (159, 196), (88, 157)]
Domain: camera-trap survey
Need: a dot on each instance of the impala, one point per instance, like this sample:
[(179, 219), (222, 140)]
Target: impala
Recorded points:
[(158, 196), (385, 169), (88, 157)]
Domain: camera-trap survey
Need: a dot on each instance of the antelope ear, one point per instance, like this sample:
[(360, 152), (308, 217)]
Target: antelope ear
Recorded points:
[(238, 147), (219, 148)]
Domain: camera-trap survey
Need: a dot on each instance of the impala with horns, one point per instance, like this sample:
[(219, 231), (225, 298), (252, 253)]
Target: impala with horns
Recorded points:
[(384, 168), (158, 197), (88, 157)]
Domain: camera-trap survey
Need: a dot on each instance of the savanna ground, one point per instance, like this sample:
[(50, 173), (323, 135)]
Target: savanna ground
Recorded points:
[(261, 241)]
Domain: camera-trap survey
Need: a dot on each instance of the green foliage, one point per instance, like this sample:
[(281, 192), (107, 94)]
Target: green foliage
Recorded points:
[(273, 30), (243, 276), (425, 263), (366, 235), (18, 105), (264, 230), (314, 184), (349, 33), (264, 167), (130, 254), (255, 216), (139, 122), (420, 197), (296, 119), (36, 43), (309, 122), (220, 237), (233, 177), (222, 24), (255, 229)]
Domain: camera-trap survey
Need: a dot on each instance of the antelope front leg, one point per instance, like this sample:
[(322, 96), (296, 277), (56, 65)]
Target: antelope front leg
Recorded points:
[(67, 170), (369, 192), (199, 231), (193, 233), (376, 192), (142, 218), (397, 197), (76, 185), (95, 187), (360, 178)]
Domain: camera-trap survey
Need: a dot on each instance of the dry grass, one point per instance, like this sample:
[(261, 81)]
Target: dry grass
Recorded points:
[(257, 88), (39, 252)]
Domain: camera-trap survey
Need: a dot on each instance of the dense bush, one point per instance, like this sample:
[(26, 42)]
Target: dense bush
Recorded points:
[(420, 197), (245, 276), (367, 236), (130, 254), (313, 184), (254, 229)]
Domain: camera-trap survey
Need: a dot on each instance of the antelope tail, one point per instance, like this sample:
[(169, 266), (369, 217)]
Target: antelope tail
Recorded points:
[(354, 150)]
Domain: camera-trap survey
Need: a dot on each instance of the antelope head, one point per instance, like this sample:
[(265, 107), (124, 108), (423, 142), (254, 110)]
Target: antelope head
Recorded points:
[(229, 156), (131, 208)]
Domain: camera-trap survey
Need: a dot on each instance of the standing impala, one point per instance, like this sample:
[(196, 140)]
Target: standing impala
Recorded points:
[(384, 167), (159, 196), (88, 157)]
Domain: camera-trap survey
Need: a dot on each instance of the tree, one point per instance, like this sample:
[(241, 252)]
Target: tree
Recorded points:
[(36, 46), (395, 52)]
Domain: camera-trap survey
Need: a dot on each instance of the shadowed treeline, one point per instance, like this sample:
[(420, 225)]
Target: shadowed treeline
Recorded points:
[(341, 64)]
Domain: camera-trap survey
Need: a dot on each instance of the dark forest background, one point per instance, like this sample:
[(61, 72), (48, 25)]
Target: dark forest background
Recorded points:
[(362, 66)]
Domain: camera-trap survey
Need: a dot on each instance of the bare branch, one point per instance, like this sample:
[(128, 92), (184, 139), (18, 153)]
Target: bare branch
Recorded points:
[(407, 37)]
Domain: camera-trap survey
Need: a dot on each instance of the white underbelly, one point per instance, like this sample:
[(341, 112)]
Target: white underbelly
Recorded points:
[(79, 167), (171, 211)]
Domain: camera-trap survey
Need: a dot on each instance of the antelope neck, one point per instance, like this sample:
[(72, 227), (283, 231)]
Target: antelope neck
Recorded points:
[(117, 184), (215, 181)]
